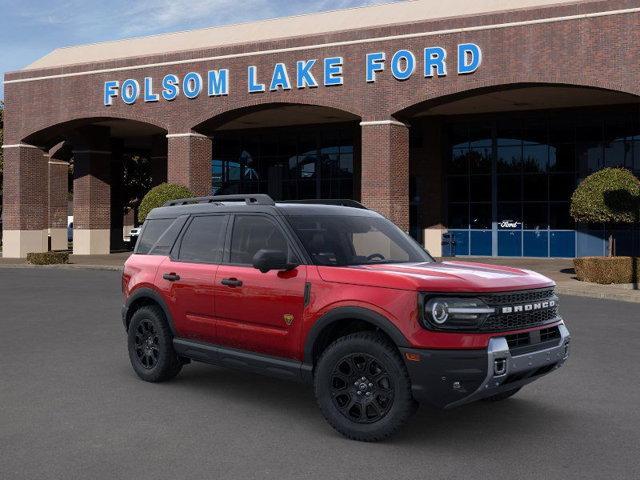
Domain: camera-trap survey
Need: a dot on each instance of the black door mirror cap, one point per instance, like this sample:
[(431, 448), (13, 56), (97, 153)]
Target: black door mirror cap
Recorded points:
[(265, 260)]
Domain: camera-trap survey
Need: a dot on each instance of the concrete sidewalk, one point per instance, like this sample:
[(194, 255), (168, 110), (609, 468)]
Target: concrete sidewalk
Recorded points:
[(560, 270)]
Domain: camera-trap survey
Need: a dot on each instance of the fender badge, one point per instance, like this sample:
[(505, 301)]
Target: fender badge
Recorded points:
[(288, 318)]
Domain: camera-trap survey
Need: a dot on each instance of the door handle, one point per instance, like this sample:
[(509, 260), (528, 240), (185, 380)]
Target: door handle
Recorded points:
[(231, 282), (172, 277)]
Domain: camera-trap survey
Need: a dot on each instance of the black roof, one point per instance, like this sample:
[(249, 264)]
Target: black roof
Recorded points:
[(259, 203)]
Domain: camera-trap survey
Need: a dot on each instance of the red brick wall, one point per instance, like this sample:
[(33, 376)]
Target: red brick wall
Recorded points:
[(58, 191), (190, 163)]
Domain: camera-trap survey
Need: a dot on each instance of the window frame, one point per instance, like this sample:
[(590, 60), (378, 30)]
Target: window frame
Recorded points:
[(177, 246)]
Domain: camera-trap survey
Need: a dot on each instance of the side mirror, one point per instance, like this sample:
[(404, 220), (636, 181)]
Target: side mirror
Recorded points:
[(265, 260)]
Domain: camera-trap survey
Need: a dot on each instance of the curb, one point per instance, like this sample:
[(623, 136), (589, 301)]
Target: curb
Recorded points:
[(606, 295), (68, 266)]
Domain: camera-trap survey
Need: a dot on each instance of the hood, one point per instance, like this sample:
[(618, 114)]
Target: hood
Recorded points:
[(438, 277)]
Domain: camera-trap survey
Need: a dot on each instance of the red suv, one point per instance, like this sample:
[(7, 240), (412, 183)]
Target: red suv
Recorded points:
[(333, 294)]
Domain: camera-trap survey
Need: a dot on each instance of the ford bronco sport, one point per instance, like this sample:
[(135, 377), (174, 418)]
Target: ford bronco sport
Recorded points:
[(336, 295)]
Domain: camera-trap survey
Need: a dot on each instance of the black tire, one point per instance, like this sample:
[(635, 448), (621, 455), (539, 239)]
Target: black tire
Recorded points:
[(150, 345), (385, 401), (502, 396)]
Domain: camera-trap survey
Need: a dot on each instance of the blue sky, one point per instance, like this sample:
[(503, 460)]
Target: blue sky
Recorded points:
[(30, 29)]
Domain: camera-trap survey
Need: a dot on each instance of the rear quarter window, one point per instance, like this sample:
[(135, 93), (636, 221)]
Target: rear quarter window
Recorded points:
[(151, 232)]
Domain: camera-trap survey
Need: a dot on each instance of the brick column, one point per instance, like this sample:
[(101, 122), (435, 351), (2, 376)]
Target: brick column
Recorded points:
[(58, 191), (385, 170), (158, 160), (189, 161), (25, 212)]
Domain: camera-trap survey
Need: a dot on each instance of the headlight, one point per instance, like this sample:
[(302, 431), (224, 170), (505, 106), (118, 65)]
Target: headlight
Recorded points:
[(455, 313)]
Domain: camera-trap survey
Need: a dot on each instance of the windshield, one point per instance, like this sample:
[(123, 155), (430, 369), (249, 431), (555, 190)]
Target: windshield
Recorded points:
[(340, 240)]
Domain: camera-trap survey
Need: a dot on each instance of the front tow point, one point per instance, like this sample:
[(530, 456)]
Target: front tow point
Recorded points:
[(499, 366)]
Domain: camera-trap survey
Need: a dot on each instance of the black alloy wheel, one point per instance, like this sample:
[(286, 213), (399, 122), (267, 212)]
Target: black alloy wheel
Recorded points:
[(146, 344), (361, 388), (150, 345)]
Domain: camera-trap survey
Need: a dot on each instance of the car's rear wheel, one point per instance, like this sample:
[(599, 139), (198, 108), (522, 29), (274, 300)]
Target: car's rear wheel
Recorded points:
[(363, 388), (502, 396), (150, 346)]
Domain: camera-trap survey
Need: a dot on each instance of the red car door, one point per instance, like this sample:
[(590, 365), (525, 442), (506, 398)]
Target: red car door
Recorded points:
[(256, 311), (187, 279)]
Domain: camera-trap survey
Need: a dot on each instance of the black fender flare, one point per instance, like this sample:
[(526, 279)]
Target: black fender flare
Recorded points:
[(147, 293), (351, 313)]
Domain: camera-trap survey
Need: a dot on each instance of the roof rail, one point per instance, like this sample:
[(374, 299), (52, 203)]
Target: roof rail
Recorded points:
[(257, 199), (343, 202)]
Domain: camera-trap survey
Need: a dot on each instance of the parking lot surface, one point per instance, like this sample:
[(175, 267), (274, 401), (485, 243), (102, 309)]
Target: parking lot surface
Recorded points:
[(72, 408)]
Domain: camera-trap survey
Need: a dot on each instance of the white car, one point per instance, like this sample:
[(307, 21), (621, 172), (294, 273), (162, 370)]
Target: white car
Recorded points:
[(133, 237)]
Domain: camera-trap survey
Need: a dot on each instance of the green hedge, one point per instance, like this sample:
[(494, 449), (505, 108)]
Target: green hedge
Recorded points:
[(158, 196), (48, 258), (607, 270), (611, 195)]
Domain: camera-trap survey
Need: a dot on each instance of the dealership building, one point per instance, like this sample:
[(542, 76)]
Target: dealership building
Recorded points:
[(476, 118)]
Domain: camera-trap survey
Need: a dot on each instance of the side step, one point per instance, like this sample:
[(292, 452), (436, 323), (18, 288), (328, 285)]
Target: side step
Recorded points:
[(242, 360)]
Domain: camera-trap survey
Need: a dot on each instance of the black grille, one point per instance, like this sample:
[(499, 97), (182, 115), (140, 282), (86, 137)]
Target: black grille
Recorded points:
[(516, 298), (551, 333), (518, 340), (516, 320)]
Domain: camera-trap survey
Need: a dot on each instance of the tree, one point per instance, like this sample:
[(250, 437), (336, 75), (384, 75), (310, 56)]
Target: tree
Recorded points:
[(160, 194), (611, 195)]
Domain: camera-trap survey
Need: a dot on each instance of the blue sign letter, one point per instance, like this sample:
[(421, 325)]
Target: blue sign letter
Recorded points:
[(170, 86), (375, 63), (434, 57), (149, 96), (253, 86), (218, 82), (192, 84), (469, 57), (397, 69), (304, 77), (280, 78), (333, 71), (130, 91), (110, 91)]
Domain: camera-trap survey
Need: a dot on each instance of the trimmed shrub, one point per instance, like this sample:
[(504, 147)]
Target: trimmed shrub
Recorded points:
[(607, 270), (48, 258), (611, 195), (158, 196)]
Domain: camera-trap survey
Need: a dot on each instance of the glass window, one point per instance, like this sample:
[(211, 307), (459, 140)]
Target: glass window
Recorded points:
[(562, 158), (618, 154), (252, 233), (458, 189), (204, 239), (510, 216), (509, 187), (339, 240), (535, 158), (534, 187), (509, 159), (480, 159), (481, 188), (151, 232), (480, 216), (561, 186), (535, 216), (559, 217), (458, 215), (459, 161)]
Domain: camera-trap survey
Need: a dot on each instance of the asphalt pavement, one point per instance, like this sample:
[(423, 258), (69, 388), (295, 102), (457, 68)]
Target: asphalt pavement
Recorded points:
[(72, 408)]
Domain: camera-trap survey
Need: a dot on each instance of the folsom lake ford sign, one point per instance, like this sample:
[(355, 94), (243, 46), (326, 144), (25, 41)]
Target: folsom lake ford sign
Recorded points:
[(308, 73)]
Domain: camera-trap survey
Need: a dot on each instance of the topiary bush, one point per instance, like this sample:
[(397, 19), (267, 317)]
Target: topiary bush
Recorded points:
[(611, 195), (159, 195), (607, 270), (48, 258)]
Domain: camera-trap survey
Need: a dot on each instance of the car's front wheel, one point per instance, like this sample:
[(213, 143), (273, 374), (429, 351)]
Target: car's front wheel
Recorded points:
[(150, 346), (363, 388)]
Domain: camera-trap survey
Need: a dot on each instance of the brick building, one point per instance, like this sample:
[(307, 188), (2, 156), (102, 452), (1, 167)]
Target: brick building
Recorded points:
[(477, 118)]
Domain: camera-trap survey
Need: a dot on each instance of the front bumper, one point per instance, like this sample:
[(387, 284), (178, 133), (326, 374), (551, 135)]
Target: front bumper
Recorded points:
[(449, 378)]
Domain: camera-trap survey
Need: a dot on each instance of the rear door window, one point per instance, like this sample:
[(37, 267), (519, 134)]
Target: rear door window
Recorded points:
[(151, 232), (203, 241)]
